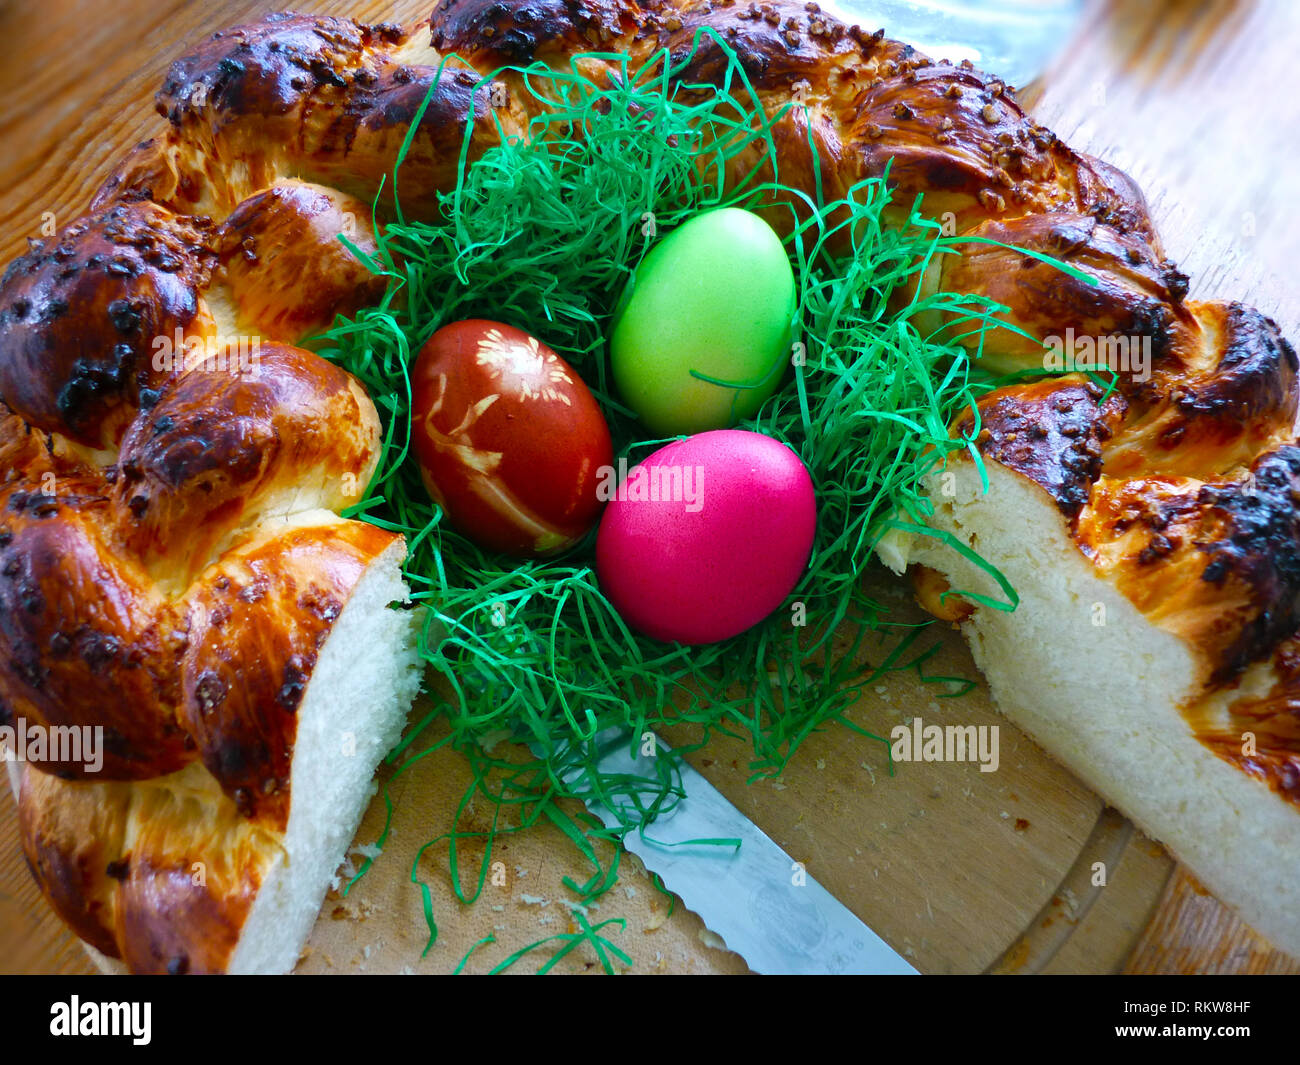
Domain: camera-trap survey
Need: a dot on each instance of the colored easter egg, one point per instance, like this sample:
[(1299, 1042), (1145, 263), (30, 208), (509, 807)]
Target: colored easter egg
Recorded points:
[(716, 297), (707, 536), (510, 440)]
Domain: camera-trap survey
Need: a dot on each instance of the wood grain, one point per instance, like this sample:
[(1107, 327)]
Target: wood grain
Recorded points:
[(960, 871), (1192, 933)]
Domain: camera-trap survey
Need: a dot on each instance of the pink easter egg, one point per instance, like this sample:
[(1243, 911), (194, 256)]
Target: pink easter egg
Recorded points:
[(707, 536)]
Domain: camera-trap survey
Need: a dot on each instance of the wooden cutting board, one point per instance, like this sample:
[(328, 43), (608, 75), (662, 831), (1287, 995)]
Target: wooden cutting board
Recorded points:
[(961, 871)]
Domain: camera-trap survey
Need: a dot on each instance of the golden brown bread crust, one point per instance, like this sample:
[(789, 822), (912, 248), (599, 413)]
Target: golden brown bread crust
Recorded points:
[(85, 637), (1181, 486), (324, 98), (1216, 561), (497, 34), (1052, 431), (160, 874), (219, 446), (255, 621), (286, 238), (1135, 293), (1214, 404), (74, 842), (79, 314), (1271, 718)]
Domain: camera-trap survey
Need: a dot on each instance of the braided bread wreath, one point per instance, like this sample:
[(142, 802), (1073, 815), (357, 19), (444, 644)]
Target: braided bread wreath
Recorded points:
[(173, 567)]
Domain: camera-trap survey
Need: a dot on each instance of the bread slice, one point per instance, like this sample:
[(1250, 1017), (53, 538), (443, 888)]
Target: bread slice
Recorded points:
[(352, 714), (169, 875), (1102, 689)]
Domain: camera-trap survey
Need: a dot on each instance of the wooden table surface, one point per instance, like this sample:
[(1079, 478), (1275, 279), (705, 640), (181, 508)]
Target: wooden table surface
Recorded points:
[(1200, 101)]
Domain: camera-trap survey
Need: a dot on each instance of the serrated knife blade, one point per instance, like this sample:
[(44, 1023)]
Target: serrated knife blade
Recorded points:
[(755, 897)]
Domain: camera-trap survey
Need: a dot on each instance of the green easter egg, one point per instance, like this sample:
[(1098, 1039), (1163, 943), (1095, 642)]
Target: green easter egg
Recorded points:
[(716, 297)]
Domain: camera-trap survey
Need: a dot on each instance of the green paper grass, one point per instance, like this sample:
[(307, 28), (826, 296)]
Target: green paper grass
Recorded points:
[(542, 233)]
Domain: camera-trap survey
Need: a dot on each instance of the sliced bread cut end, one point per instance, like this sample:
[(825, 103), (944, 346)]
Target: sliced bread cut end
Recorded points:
[(1080, 669), (367, 674), (351, 714)]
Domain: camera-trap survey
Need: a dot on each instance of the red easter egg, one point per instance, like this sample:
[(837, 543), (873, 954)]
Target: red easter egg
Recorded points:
[(510, 440)]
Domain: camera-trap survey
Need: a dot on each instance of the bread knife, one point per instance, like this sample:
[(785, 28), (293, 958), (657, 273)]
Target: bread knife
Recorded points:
[(749, 892)]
